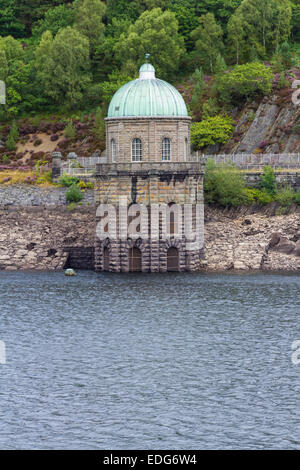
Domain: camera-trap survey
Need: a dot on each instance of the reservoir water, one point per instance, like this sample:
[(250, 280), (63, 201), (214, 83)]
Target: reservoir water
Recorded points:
[(140, 361)]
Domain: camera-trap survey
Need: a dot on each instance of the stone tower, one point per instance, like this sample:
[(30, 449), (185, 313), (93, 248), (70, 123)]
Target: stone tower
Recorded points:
[(150, 194)]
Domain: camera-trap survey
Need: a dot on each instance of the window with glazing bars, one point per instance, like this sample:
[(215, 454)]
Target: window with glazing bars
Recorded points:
[(166, 149), (136, 150), (113, 150)]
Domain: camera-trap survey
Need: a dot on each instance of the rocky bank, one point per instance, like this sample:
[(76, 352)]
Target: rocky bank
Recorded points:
[(41, 238), (248, 240)]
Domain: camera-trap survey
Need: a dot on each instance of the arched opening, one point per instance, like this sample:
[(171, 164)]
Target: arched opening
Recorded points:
[(113, 150), (173, 259), (136, 150), (166, 149), (105, 259), (135, 260)]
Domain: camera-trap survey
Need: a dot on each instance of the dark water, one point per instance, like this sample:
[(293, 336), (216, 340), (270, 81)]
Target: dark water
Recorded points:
[(149, 361)]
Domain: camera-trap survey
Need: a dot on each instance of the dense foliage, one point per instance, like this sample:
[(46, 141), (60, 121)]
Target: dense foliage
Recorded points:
[(74, 54), (210, 131), (225, 186), (62, 61)]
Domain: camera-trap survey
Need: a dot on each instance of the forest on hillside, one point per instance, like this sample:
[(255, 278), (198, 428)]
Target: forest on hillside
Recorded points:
[(74, 55), (63, 60)]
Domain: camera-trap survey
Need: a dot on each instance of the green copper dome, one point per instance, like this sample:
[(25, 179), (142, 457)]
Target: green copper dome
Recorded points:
[(147, 96)]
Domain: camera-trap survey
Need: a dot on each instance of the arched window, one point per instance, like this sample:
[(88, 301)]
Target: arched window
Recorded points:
[(113, 150), (166, 149), (136, 150)]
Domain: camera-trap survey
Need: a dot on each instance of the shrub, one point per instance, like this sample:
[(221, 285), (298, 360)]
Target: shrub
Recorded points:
[(268, 180), (5, 158), (210, 108), (70, 131), (81, 185), (74, 194), (37, 142), (251, 115), (224, 185), (256, 196), (245, 81), (11, 143), (14, 131), (67, 180), (297, 197), (212, 130), (283, 82), (285, 196)]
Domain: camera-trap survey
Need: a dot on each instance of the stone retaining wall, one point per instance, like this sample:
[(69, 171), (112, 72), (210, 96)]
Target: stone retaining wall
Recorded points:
[(27, 195)]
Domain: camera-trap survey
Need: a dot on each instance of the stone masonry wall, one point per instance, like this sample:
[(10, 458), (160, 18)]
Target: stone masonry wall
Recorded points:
[(27, 195), (137, 184), (151, 131)]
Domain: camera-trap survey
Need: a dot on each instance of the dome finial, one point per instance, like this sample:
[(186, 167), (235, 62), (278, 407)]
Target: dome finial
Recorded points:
[(147, 71)]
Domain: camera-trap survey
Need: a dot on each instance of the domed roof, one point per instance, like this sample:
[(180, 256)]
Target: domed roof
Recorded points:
[(148, 97)]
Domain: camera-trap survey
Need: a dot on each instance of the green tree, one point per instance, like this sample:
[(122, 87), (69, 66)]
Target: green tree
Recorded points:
[(13, 136), (220, 65), (155, 32), (187, 19), (63, 66), (208, 40), (89, 20), (224, 185), (286, 55), (245, 81), (236, 35), (266, 23), (16, 74), (210, 131), (55, 19), (70, 131), (268, 180), (8, 21), (198, 92), (115, 81)]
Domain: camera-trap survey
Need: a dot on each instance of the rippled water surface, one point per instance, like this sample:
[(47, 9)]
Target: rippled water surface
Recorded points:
[(179, 361)]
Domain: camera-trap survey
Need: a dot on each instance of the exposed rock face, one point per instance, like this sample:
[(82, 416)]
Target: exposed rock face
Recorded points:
[(271, 130), (252, 242), (39, 238)]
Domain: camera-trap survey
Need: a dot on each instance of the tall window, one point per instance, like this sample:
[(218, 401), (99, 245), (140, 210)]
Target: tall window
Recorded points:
[(113, 150), (166, 149), (136, 150)]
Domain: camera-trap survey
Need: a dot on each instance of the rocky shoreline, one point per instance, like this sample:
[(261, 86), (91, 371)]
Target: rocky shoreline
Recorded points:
[(252, 240), (53, 238)]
